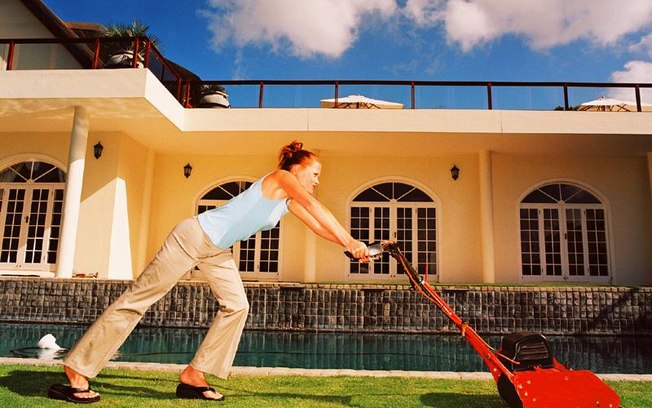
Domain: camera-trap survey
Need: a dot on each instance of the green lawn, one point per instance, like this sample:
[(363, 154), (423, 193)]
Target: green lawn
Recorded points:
[(26, 386)]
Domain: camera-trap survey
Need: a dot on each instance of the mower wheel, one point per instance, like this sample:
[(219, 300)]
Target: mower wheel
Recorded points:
[(508, 392)]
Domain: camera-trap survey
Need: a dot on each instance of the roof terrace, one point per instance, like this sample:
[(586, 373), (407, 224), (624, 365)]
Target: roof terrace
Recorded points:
[(187, 88)]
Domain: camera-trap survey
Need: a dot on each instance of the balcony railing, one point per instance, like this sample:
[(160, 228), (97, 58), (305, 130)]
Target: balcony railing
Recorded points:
[(100, 53)]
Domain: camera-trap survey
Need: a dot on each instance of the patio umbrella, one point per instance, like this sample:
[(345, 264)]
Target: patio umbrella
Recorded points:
[(359, 102), (604, 104)]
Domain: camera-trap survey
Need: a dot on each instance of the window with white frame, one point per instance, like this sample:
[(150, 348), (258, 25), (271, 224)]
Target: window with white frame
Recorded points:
[(31, 208), (399, 212), (257, 257), (564, 235)]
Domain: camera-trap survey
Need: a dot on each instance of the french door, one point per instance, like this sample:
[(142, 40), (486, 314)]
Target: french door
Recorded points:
[(30, 222), (564, 243), (411, 225)]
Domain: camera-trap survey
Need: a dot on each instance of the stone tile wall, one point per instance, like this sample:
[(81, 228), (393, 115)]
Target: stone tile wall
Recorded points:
[(348, 308)]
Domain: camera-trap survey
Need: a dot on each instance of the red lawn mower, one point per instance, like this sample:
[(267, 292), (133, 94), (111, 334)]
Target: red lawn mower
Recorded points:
[(526, 373)]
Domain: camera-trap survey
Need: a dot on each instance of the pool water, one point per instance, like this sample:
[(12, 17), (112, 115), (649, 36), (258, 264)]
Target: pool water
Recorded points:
[(411, 352)]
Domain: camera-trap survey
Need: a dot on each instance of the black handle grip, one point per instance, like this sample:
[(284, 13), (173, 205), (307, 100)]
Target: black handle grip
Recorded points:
[(375, 251)]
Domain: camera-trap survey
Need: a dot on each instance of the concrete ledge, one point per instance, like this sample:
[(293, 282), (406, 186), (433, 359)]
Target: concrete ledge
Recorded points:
[(285, 371)]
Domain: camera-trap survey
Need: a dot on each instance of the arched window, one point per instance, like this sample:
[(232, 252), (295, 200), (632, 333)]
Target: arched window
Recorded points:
[(563, 234), (400, 212), (31, 205), (258, 257)]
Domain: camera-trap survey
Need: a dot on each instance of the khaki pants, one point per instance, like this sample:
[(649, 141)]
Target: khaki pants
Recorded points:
[(187, 246)]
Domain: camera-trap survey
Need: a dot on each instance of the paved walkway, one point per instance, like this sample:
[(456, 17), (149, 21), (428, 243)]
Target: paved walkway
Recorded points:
[(267, 371)]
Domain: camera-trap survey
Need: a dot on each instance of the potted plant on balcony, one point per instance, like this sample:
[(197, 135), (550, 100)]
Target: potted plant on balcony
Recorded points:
[(213, 96), (121, 54)]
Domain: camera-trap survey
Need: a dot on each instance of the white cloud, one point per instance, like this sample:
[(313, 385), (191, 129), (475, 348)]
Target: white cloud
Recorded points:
[(307, 28), (644, 46), (635, 72), (544, 24), (304, 28)]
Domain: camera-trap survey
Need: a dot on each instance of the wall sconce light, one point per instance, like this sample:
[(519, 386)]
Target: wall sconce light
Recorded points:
[(455, 172), (97, 150), (187, 170)]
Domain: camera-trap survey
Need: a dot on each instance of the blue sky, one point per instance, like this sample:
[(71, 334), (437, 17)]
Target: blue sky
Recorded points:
[(468, 40)]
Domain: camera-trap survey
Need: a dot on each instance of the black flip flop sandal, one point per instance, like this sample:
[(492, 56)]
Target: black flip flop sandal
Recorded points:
[(67, 393), (191, 392)]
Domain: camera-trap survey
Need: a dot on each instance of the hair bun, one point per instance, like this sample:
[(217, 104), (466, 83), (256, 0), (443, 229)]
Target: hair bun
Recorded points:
[(295, 146), (292, 154), (289, 150)]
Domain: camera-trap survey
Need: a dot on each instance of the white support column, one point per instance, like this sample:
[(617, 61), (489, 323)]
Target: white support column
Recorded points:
[(72, 200), (487, 218)]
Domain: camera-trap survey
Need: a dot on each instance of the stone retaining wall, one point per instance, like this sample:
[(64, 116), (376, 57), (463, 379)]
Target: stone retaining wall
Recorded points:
[(347, 308)]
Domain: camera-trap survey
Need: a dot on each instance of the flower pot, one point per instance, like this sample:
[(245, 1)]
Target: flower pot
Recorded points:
[(123, 59), (215, 99)]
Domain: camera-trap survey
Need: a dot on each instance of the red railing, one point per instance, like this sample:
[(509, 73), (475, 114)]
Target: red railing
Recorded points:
[(96, 53), (103, 52), (413, 85)]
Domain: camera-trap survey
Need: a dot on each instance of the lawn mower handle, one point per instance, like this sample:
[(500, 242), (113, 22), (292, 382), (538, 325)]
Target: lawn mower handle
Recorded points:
[(528, 387), (486, 352)]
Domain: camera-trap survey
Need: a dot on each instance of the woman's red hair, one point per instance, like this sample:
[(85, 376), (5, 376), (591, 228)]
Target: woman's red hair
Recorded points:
[(294, 154)]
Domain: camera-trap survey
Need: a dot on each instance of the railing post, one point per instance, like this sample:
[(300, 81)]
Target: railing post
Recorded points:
[(96, 56), (134, 63), (637, 90), (260, 94), (187, 104), (179, 89), (412, 93), (489, 98), (566, 105), (10, 55), (148, 46), (337, 94)]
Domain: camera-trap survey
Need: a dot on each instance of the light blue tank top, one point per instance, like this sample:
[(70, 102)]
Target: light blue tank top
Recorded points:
[(242, 217)]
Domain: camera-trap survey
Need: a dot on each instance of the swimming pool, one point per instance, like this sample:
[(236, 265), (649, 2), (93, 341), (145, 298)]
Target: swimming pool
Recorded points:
[(411, 352)]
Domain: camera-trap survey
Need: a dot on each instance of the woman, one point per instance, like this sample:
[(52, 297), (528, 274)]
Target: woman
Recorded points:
[(203, 242)]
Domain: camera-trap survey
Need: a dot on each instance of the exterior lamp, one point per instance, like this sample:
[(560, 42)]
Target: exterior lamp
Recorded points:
[(97, 150), (455, 172), (187, 170)]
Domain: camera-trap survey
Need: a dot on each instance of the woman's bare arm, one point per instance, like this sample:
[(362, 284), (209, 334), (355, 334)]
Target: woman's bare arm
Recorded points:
[(314, 214), (311, 222)]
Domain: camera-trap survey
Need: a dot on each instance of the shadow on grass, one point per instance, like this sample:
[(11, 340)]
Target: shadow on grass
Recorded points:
[(31, 384), (451, 400)]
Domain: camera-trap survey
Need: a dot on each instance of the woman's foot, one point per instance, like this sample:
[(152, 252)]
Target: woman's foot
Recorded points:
[(79, 381), (195, 378)]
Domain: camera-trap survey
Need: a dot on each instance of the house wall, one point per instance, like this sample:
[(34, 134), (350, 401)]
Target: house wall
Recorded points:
[(120, 228), (52, 145), (457, 202), (621, 182), (112, 208), (16, 21), (174, 198)]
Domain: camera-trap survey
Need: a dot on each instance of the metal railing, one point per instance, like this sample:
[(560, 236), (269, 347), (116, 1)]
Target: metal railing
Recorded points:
[(97, 53), (488, 87), (94, 53)]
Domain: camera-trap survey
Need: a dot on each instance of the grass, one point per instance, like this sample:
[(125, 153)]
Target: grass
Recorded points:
[(26, 386)]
